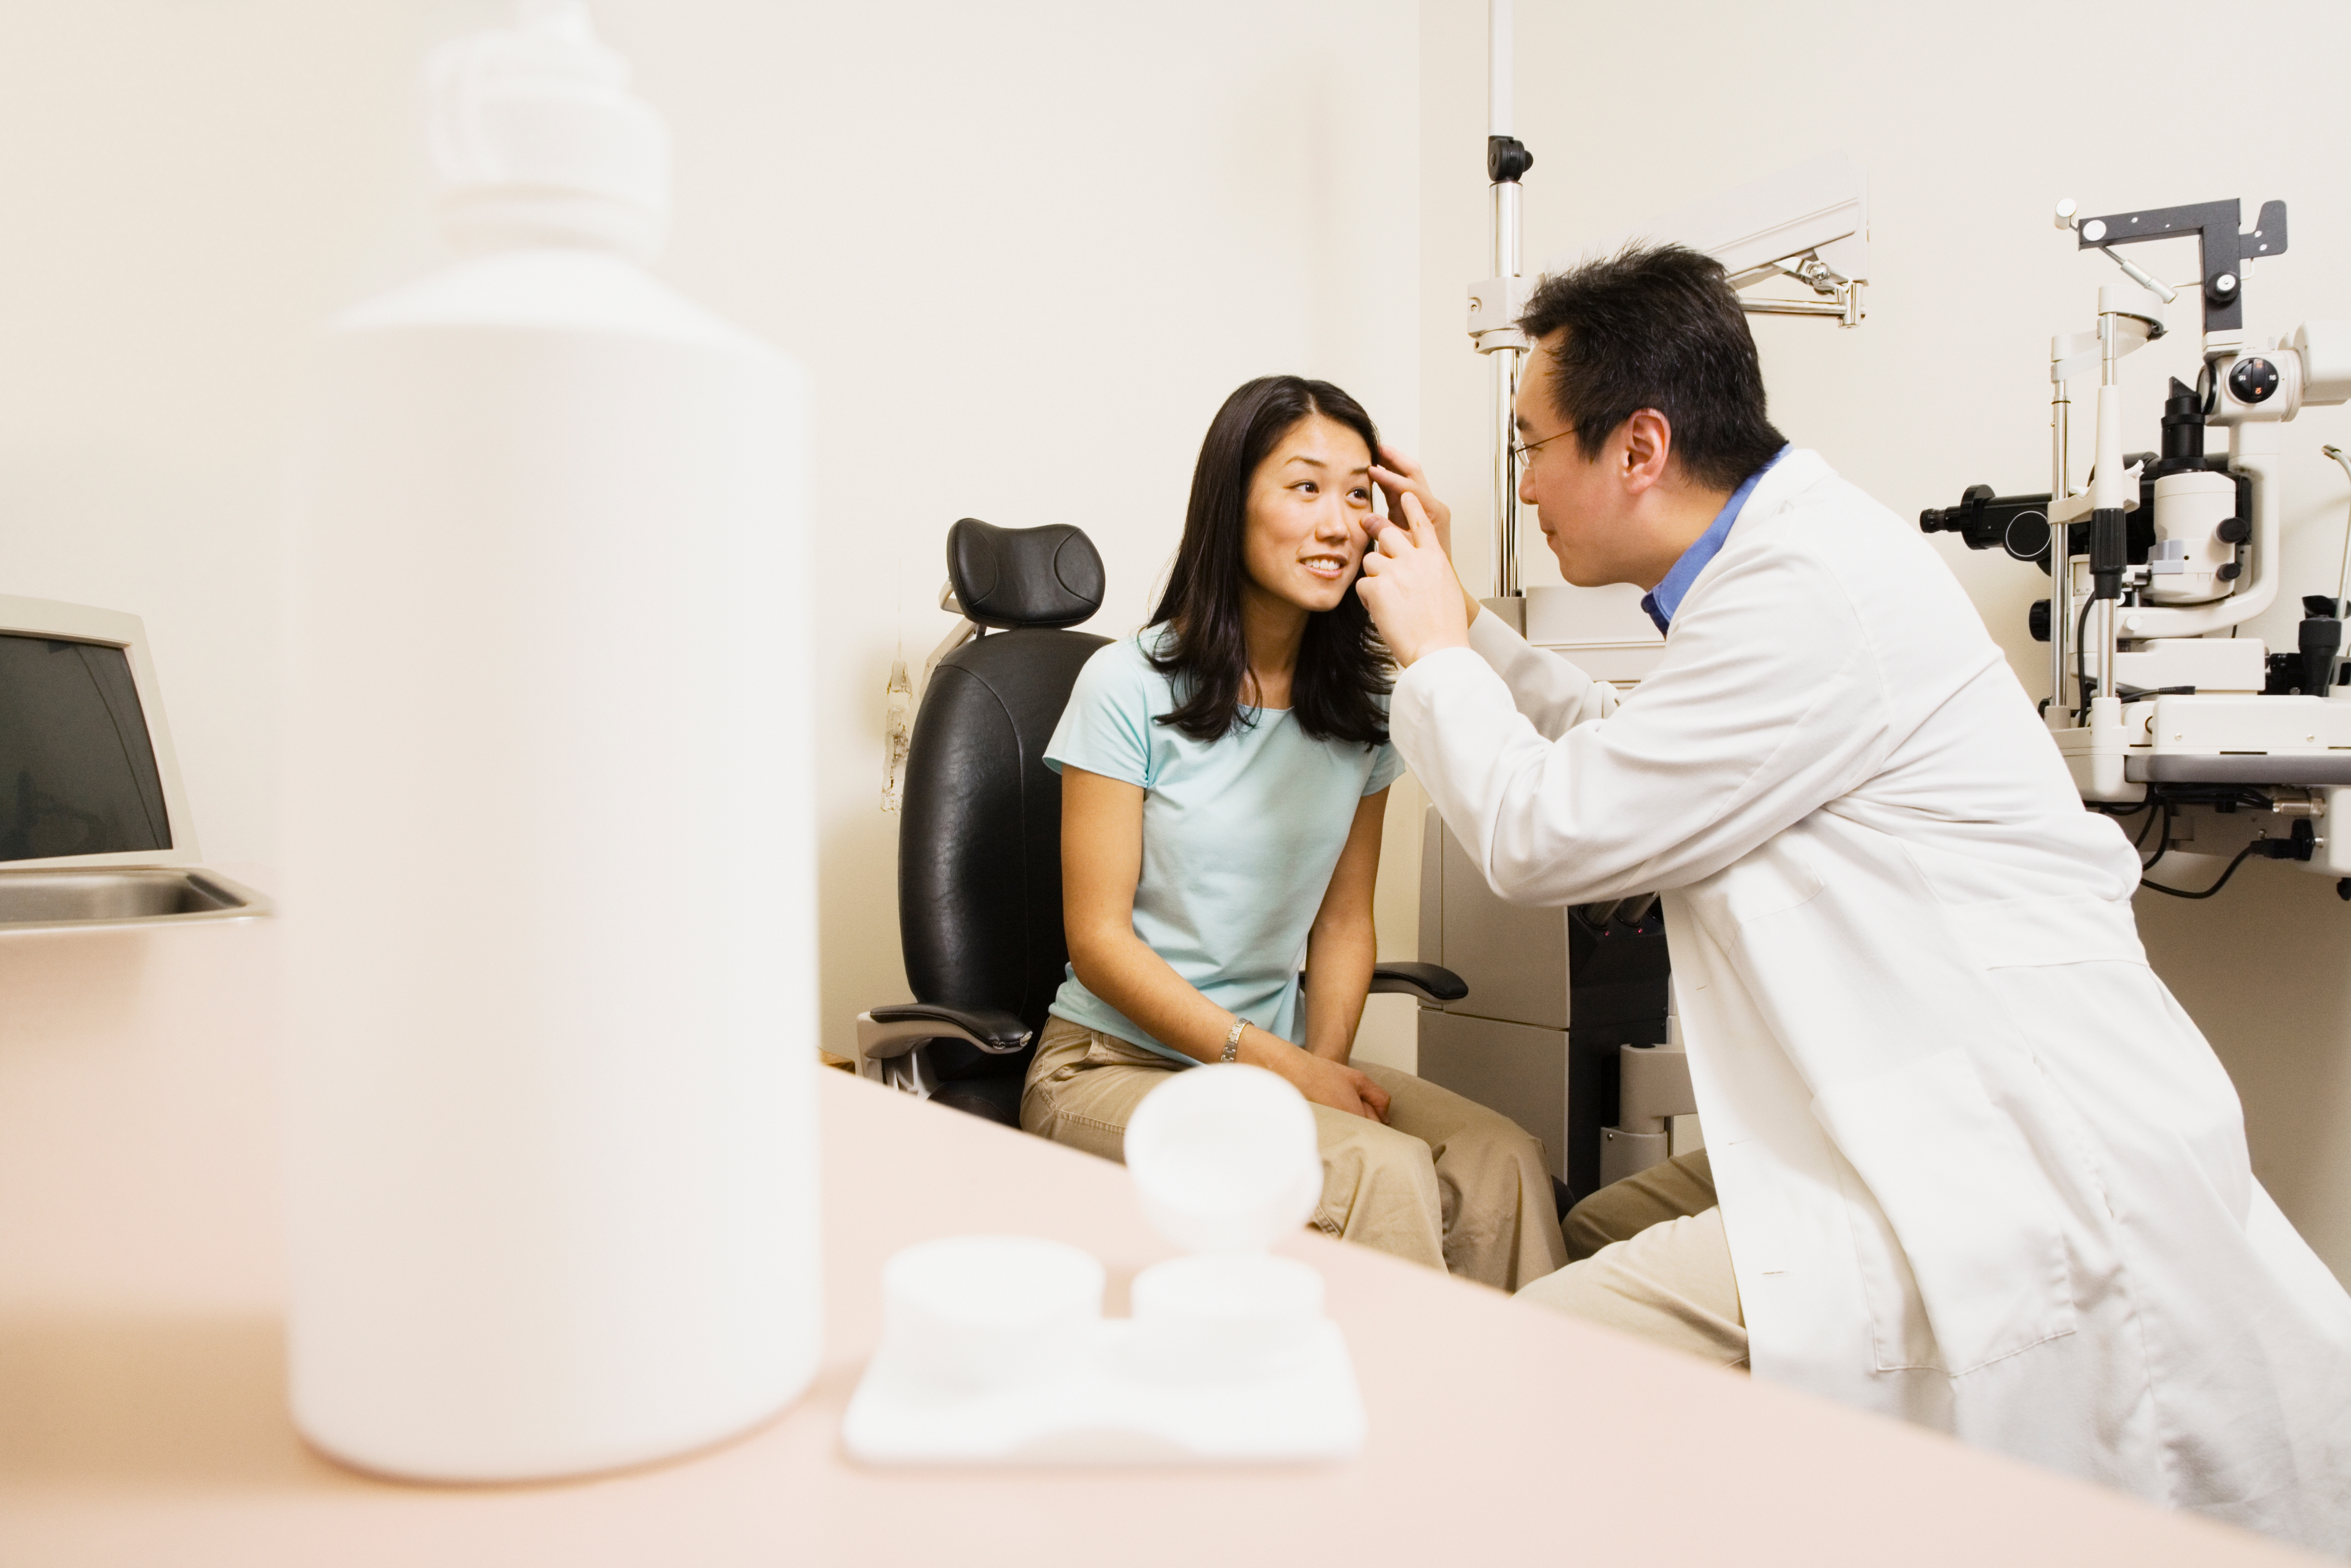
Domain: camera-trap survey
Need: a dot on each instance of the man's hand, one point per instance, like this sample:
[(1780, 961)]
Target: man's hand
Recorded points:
[(1409, 587), (1397, 477), (1402, 476)]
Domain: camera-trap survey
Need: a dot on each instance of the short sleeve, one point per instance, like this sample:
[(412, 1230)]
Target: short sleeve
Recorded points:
[(1388, 766), (1106, 728)]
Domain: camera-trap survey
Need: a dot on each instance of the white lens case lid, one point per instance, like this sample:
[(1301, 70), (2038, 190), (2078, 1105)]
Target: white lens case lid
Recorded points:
[(978, 1311)]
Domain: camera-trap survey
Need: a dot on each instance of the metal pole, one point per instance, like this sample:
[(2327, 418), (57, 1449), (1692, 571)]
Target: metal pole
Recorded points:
[(1506, 478), (1503, 346), (2110, 480), (2342, 585), (1506, 363), (2060, 563)]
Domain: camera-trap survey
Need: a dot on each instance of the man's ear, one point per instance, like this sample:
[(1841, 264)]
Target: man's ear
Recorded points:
[(1648, 444)]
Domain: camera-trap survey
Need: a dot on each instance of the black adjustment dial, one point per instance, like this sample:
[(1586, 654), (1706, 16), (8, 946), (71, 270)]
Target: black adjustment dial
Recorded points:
[(2252, 380)]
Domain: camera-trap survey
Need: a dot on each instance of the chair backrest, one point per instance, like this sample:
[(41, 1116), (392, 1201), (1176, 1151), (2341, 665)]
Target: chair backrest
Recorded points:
[(979, 841)]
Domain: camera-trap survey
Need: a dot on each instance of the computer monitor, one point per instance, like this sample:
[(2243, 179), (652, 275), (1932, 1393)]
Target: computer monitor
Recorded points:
[(87, 777)]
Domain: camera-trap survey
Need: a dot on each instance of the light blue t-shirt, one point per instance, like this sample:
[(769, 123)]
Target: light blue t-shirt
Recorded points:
[(1239, 838)]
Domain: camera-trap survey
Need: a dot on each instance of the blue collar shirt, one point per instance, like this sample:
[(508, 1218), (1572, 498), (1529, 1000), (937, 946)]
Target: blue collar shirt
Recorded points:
[(1661, 602)]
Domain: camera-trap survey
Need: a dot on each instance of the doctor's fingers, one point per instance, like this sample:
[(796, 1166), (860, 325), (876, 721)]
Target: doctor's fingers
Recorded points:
[(1401, 463), (1388, 598), (1398, 487), (1399, 535), (1417, 520), (1398, 474)]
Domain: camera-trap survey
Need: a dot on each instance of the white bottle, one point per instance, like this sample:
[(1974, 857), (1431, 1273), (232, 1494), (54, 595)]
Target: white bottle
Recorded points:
[(549, 895)]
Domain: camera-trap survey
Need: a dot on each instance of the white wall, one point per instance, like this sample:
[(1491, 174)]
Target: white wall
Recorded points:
[(1025, 250), (1971, 121), (184, 190)]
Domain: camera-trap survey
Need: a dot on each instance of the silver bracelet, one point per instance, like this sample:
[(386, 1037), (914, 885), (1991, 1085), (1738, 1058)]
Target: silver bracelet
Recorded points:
[(1233, 1040)]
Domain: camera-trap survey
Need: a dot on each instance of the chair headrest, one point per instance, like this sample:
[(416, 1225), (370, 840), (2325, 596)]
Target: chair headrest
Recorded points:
[(1023, 576)]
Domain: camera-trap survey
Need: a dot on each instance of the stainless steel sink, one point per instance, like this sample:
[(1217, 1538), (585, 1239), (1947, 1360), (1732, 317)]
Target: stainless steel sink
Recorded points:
[(128, 895)]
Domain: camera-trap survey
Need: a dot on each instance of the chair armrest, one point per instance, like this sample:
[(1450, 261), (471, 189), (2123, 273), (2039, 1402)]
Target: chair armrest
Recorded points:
[(1430, 982), (902, 1025)]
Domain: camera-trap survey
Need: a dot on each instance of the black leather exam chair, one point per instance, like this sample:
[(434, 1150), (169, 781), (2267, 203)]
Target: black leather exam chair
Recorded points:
[(979, 836)]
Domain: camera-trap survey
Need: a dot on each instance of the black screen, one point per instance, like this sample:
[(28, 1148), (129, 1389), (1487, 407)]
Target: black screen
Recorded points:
[(77, 773)]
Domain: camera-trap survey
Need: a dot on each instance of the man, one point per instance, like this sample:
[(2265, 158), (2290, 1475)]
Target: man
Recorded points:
[(1970, 1162)]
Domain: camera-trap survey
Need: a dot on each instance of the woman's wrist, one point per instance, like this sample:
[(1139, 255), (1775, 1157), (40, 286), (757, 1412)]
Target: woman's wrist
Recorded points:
[(1261, 1049)]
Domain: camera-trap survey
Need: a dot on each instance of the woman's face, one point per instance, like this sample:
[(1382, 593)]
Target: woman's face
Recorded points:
[(1310, 510)]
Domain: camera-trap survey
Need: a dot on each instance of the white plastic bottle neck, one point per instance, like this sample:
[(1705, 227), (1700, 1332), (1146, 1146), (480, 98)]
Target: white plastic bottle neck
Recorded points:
[(480, 222), (540, 141)]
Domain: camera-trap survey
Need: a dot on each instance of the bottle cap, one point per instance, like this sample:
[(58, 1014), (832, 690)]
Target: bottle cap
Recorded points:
[(539, 140), (1224, 1159)]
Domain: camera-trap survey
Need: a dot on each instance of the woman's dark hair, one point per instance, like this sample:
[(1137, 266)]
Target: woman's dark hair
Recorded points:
[(1343, 665), (1656, 326)]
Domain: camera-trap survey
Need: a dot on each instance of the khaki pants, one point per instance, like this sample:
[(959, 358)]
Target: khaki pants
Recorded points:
[(1447, 1182), (1652, 1259)]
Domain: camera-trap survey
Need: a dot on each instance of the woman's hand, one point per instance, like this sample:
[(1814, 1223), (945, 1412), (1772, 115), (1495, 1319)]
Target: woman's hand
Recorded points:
[(1323, 1081)]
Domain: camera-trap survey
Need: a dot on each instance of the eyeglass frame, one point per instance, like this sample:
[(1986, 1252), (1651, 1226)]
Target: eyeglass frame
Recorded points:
[(1519, 449)]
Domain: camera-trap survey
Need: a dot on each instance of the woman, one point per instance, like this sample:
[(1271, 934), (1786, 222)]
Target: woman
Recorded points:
[(1224, 775)]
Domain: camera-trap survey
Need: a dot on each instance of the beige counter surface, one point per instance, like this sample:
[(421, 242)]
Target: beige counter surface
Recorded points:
[(143, 1418)]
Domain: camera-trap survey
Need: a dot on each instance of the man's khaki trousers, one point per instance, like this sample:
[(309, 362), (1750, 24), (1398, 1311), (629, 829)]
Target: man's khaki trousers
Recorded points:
[(1445, 1182), (1651, 1258)]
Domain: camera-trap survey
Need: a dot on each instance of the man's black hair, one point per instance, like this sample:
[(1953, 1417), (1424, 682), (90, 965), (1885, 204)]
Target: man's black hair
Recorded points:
[(1656, 326)]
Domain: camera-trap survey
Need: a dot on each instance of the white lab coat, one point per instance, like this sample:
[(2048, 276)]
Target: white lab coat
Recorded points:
[(1977, 1167)]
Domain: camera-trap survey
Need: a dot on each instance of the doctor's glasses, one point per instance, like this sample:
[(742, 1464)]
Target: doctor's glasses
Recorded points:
[(1521, 449)]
